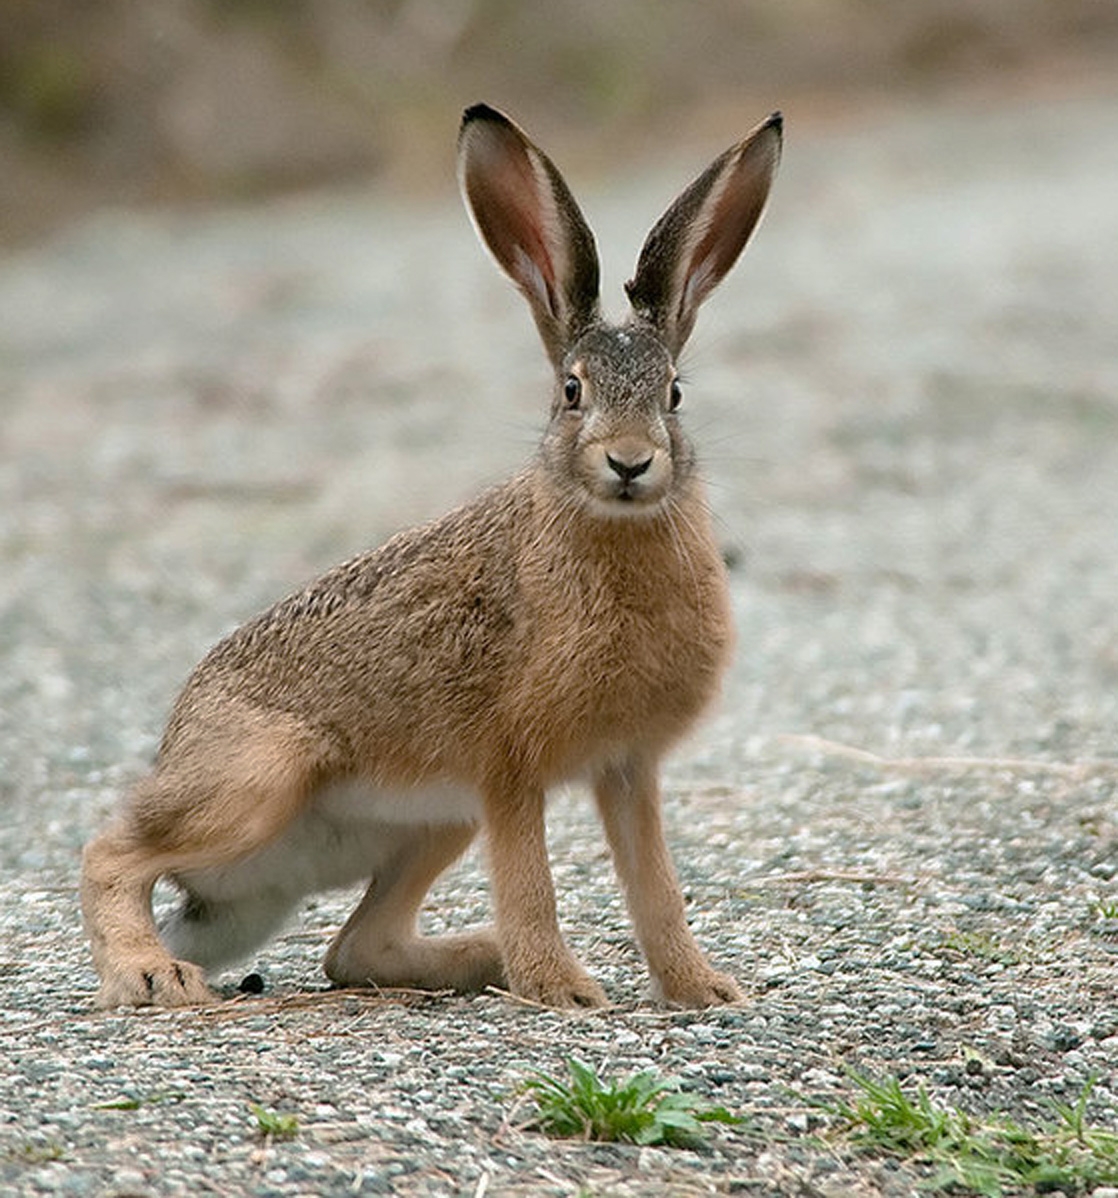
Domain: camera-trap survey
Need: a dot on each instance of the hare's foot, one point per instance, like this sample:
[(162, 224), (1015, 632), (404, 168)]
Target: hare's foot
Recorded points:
[(155, 980), (468, 962), (698, 987), (556, 981), (378, 944)]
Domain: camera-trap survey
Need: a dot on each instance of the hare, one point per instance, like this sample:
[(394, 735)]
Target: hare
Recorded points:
[(571, 623)]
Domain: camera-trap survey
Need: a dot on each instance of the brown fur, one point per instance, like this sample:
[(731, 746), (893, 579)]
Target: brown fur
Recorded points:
[(573, 622)]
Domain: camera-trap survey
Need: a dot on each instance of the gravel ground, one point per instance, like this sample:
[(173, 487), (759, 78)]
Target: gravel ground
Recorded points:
[(899, 830)]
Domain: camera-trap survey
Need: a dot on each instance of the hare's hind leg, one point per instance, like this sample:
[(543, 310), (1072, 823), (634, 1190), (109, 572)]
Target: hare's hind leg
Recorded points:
[(118, 876), (628, 797), (202, 810), (379, 945)]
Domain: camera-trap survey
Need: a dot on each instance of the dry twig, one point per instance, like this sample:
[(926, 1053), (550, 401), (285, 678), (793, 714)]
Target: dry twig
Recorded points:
[(1075, 771), (855, 876)]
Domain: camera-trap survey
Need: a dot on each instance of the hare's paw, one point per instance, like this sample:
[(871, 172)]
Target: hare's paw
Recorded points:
[(703, 987), (559, 985), (154, 983), (472, 960)]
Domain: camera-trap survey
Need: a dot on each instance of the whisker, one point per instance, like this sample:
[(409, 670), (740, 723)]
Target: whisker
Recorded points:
[(560, 518), (674, 510)]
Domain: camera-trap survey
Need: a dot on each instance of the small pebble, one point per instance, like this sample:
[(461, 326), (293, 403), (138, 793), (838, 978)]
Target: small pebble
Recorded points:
[(251, 983)]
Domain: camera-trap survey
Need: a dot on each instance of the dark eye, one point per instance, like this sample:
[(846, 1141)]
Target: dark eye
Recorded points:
[(675, 396), (572, 392)]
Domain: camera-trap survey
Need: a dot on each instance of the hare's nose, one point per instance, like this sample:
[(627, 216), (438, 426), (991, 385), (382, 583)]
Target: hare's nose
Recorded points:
[(627, 471)]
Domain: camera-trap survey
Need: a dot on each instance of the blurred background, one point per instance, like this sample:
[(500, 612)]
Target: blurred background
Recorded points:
[(110, 102)]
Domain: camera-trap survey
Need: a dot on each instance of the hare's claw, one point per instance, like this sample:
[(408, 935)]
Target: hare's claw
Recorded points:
[(703, 988), (566, 988), (168, 983)]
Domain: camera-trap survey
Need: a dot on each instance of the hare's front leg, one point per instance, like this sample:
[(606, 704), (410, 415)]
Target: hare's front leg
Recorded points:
[(538, 964), (628, 796)]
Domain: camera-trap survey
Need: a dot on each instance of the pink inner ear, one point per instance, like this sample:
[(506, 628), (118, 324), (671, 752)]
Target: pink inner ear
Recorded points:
[(736, 212), (504, 193)]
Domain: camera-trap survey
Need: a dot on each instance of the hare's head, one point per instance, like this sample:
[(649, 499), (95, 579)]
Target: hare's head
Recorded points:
[(614, 442)]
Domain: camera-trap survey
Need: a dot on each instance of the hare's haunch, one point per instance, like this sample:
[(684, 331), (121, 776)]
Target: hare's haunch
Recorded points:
[(572, 623)]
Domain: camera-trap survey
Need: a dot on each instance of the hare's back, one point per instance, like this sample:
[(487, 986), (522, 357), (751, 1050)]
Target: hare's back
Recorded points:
[(414, 633)]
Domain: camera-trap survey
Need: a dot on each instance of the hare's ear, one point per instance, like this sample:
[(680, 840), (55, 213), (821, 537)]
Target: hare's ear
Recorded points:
[(528, 218), (693, 245)]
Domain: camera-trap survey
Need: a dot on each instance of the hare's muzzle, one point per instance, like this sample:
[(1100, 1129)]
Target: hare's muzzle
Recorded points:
[(627, 477)]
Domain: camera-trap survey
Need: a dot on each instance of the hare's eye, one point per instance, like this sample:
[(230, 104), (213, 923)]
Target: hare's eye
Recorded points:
[(572, 392), (675, 396)]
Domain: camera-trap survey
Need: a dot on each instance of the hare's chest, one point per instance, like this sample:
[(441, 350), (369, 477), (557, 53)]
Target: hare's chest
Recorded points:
[(667, 663), (624, 669)]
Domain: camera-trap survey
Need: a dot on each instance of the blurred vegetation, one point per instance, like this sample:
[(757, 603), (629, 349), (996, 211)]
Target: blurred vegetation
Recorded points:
[(113, 101)]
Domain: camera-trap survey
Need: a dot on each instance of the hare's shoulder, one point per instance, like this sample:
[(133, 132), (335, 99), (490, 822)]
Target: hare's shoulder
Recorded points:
[(462, 560), (472, 542)]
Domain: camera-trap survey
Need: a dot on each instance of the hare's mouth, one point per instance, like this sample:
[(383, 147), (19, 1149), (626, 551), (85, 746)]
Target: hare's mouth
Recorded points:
[(624, 510), (634, 495), (626, 500)]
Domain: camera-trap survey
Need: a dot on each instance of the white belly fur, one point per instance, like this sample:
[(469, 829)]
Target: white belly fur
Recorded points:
[(345, 835), (340, 838)]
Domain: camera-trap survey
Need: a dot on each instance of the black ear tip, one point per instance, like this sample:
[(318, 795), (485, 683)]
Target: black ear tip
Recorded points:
[(776, 123), (483, 112)]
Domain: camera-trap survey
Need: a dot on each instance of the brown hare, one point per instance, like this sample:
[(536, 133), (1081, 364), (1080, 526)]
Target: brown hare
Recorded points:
[(571, 623)]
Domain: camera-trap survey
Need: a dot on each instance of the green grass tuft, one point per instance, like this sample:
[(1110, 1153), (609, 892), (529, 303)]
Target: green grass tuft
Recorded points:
[(274, 1124), (988, 1157), (641, 1110), (984, 946), (33, 1152)]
